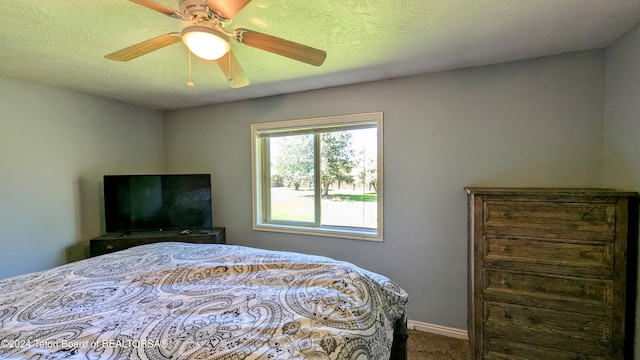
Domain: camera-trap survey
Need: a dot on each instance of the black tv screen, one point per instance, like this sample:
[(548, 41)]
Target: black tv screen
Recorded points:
[(156, 202)]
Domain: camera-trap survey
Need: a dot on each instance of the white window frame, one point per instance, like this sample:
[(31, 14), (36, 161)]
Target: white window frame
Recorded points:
[(258, 171)]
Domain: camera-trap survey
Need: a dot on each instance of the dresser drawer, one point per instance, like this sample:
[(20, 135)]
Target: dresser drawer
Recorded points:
[(497, 348), (555, 292), (593, 259), (542, 218), (544, 327)]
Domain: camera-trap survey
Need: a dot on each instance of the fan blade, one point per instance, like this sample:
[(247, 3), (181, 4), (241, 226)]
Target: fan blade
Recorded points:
[(227, 8), (281, 47), (158, 7), (144, 47), (232, 70)]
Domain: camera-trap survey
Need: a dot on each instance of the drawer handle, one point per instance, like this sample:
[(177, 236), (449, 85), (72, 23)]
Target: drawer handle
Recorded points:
[(584, 216), (603, 342), (505, 247), (540, 288), (109, 247), (506, 315), (506, 214), (585, 255), (506, 283)]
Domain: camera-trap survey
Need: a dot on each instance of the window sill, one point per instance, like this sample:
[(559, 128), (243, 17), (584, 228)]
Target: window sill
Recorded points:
[(325, 231)]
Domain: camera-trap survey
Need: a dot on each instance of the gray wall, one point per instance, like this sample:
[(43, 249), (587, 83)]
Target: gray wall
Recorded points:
[(54, 148), (530, 123), (622, 123)]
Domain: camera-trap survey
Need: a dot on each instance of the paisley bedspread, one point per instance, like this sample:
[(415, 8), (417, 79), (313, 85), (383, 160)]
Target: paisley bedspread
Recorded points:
[(193, 301)]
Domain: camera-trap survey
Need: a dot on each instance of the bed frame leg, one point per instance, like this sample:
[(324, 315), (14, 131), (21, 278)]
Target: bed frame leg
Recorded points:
[(400, 336)]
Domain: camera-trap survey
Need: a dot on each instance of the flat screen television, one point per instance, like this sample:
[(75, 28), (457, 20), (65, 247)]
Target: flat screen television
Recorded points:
[(157, 202)]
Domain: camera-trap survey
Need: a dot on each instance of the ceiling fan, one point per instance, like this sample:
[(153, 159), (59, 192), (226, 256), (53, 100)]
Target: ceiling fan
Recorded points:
[(205, 36)]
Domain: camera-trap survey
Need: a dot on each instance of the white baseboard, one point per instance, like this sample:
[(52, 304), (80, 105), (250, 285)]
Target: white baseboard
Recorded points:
[(437, 329)]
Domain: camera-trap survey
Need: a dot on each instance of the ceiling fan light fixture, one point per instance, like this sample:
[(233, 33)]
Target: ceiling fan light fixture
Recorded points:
[(206, 43)]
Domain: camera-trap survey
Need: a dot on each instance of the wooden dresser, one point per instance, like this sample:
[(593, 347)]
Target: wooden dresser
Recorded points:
[(552, 273)]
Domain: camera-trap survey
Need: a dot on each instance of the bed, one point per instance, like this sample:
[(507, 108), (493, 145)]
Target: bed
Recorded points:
[(202, 301)]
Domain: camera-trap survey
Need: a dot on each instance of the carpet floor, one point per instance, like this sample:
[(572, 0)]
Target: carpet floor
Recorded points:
[(426, 346)]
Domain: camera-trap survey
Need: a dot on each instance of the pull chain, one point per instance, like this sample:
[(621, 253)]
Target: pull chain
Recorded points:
[(190, 83), (230, 78)]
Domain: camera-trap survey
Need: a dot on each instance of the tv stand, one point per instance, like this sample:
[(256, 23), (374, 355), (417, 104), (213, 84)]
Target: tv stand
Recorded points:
[(111, 242)]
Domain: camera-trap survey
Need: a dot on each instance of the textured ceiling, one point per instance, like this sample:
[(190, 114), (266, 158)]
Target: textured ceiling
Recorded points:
[(62, 43)]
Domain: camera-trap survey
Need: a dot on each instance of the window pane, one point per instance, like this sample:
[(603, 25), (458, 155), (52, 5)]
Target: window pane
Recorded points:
[(348, 163), (292, 175), (295, 162)]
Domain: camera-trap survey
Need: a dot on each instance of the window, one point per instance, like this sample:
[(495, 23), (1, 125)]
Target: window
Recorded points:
[(319, 176)]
